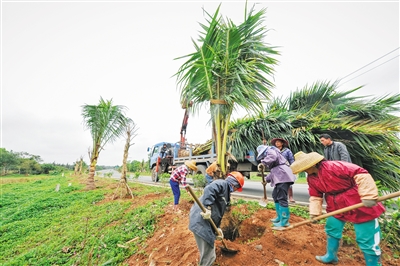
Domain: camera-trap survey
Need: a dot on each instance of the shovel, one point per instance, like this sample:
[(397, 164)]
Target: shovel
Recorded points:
[(224, 248), (346, 209), (263, 202)]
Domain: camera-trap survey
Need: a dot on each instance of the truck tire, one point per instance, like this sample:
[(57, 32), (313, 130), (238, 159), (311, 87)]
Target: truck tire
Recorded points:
[(201, 169), (154, 174)]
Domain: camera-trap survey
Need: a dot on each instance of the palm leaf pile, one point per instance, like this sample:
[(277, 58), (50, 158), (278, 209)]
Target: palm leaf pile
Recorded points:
[(368, 127)]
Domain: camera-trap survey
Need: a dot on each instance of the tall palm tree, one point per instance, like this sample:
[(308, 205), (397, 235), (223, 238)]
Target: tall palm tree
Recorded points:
[(106, 122), (228, 69), (369, 128)]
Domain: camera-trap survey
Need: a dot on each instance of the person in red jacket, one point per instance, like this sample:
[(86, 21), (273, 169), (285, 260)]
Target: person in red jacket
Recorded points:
[(343, 184)]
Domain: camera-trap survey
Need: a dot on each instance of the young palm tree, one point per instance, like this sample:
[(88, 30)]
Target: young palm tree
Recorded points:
[(369, 128), (106, 123), (228, 69)]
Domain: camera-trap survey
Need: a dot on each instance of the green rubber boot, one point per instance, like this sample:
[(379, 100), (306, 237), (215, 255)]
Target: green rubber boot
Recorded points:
[(332, 246), (372, 260), (278, 214), (285, 215)]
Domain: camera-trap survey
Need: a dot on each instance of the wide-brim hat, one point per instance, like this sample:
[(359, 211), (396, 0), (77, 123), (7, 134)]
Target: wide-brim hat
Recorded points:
[(285, 142), (191, 164), (260, 150), (303, 161)]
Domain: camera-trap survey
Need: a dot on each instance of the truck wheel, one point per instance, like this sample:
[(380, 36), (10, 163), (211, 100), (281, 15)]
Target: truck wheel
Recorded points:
[(154, 174), (201, 169)]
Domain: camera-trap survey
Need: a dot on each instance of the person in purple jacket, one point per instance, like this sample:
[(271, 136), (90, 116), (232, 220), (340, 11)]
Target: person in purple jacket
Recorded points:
[(283, 145), (281, 178)]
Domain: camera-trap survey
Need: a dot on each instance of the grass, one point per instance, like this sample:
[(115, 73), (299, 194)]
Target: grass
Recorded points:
[(40, 226)]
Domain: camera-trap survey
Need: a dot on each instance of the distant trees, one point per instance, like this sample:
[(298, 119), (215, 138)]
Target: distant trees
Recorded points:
[(26, 163)]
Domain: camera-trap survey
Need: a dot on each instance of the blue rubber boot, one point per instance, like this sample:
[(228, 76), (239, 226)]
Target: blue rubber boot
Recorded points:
[(372, 260), (332, 246), (285, 215), (278, 214)]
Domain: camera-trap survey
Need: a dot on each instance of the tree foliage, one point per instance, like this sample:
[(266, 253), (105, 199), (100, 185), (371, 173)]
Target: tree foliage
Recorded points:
[(106, 122), (368, 127), (228, 69)]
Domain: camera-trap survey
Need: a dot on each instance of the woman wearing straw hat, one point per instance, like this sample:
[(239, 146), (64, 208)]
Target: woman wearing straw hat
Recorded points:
[(283, 145), (280, 177), (343, 184), (178, 176)]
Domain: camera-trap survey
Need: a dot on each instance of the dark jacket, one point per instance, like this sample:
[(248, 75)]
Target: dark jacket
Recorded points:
[(337, 151), (217, 196)]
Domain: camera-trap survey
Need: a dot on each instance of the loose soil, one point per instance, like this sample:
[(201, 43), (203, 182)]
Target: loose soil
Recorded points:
[(173, 243)]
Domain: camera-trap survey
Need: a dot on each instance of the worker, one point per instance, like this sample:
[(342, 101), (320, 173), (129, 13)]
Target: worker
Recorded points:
[(178, 176), (280, 177), (215, 198), (163, 151), (334, 150), (282, 146), (212, 171), (343, 184)]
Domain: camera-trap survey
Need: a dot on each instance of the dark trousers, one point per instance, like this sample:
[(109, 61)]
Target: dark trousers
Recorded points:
[(280, 193)]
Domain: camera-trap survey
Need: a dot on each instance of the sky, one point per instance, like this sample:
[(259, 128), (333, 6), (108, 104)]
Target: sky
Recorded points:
[(57, 56)]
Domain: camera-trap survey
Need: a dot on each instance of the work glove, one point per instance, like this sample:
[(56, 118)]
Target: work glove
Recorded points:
[(312, 217), (369, 202), (220, 235), (206, 215), (261, 167)]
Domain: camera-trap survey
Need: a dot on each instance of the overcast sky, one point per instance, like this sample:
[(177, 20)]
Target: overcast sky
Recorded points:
[(58, 55)]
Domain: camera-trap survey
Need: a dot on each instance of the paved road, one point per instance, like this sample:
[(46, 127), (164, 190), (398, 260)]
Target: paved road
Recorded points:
[(251, 189)]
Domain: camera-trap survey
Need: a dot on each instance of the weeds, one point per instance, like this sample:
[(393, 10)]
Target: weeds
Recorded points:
[(40, 226)]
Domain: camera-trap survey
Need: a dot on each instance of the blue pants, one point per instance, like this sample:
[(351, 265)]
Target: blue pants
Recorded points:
[(368, 234), (175, 190)]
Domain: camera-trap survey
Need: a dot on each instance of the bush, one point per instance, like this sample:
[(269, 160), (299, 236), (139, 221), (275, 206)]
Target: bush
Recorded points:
[(199, 181)]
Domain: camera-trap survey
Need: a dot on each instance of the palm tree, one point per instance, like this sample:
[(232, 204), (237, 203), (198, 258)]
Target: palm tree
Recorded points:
[(369, 128), (228, 69), (106, 123)]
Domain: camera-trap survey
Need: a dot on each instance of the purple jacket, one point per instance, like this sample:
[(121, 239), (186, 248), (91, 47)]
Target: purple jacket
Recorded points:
[(280, 170)]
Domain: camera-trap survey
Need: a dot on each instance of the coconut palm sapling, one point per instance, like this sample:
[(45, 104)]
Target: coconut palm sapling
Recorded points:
[(106, 122), (228, 69)]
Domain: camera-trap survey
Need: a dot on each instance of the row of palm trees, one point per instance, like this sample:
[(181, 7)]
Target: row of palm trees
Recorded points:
[(232, 67)]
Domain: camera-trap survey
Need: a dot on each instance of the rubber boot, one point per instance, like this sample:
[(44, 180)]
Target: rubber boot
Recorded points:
[(372, 260), (285, 215), (332, 246), (278, 214)]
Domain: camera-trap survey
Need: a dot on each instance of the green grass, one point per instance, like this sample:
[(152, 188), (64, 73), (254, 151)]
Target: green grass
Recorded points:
[(40, 226)]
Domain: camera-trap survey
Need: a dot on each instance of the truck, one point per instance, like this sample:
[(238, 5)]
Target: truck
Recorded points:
[(177, 154)]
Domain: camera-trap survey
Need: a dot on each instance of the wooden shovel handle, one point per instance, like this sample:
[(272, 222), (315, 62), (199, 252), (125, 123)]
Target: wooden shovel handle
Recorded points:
[(203, 209), (346, 209)]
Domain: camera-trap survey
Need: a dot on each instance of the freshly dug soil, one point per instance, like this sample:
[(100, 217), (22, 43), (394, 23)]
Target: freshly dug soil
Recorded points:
[(173, 243)]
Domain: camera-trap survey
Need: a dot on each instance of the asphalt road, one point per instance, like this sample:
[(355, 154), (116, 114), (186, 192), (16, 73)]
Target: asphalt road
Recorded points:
[(251, 189)]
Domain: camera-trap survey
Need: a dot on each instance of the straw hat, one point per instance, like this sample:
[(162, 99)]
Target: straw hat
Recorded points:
[(191, 164), (285, 142), (303, 161)]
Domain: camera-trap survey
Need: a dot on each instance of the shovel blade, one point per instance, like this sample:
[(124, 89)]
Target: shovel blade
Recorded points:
[(228, 251)]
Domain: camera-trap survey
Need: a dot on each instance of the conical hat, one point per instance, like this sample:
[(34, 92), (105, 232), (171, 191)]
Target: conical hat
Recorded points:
[(303, 161)]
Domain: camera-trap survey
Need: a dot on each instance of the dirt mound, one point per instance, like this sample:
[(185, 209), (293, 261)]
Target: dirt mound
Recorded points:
[(174, 244)]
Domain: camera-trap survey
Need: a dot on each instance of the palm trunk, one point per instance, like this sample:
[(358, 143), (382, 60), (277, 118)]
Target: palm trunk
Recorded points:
[(90, 185)]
